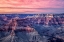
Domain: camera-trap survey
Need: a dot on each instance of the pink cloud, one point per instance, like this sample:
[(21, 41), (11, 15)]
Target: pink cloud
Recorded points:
[(30, 4)]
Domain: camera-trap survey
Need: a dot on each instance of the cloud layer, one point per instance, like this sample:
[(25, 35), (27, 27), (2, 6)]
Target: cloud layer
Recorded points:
[(16, 5)]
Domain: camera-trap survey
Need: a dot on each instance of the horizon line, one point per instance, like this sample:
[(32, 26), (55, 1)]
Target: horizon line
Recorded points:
[(28, 8)]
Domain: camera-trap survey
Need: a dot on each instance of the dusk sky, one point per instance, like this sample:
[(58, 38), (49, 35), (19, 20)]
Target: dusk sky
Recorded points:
[(31, 6)]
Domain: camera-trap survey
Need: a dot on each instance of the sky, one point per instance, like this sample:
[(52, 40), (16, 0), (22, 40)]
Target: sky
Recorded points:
[(31, 6)]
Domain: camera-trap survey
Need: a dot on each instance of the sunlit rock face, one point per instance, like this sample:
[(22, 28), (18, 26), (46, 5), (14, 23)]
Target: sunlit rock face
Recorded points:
[(23, 37), (30, 28)]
